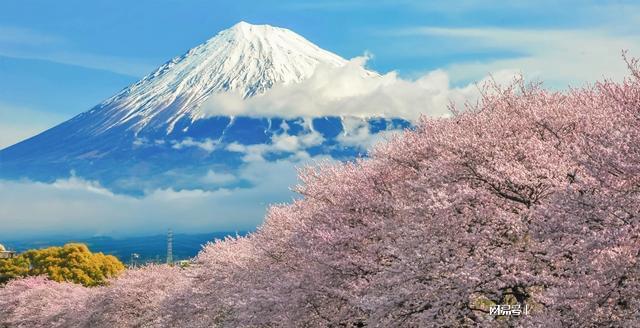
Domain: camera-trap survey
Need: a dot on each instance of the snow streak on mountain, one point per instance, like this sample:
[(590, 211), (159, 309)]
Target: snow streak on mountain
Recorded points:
[(246, 58), (152, 131)]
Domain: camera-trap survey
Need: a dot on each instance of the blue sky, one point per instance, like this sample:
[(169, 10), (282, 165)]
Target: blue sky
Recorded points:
[(59, 58)]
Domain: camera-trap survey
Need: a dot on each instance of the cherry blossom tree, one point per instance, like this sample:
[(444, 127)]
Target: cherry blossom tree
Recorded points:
[(40, 302), (529, 198), (135, 299)]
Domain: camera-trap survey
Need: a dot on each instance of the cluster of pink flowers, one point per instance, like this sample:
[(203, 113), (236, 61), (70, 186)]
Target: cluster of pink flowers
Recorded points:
[(529, 199)]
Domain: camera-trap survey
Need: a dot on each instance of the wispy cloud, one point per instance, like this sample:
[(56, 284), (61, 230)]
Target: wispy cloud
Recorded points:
[(119, 65), (560, 56), (459, 7), (16, 35), (207, 145), (25, 43), (218, 178), (294, 146), (357, 134), (78, 206), (439, 6)]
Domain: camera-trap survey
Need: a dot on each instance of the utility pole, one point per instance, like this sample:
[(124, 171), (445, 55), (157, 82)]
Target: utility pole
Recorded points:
[(170, 247)]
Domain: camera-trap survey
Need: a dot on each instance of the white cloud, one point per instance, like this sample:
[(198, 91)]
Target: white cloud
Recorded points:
[(281, 143), (350, 90), (559, 57), (217, 178), (252, 153), (75, 183), (207, 145), (357, 134), (77, 206), (293, 143)]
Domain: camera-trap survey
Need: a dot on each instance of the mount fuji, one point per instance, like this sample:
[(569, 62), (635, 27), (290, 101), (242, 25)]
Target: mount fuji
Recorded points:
[(160, 131)]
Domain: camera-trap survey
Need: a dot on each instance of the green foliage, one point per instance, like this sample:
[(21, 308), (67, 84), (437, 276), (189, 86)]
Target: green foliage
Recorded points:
[(71, 263)]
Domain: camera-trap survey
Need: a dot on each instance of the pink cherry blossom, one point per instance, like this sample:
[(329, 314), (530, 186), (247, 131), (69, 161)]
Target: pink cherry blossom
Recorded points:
[(529, 198)]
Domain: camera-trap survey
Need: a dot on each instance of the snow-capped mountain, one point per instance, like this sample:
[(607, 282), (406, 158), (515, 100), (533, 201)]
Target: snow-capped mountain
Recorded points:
[(248, 59), (156, 126)]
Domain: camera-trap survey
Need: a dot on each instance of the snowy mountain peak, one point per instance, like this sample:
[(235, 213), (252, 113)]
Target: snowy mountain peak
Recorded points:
[(154, 135), (246, 58), (244, 29)]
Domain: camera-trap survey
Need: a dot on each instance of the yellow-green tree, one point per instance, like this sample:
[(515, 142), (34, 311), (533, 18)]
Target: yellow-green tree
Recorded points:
[(71, 262), (13, 268)]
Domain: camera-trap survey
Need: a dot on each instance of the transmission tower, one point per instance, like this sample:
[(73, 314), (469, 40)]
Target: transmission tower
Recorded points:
[(133, 262), (170, 247)]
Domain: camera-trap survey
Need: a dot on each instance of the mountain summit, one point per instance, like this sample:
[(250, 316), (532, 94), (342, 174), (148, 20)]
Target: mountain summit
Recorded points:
[(247, 59), (152, 134)]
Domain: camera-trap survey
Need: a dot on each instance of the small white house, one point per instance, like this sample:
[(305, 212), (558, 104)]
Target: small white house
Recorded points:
[(5, 254)]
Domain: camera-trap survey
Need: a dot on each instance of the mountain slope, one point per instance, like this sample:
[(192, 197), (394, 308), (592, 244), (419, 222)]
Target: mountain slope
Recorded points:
[(247, 59), (155, 126)]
